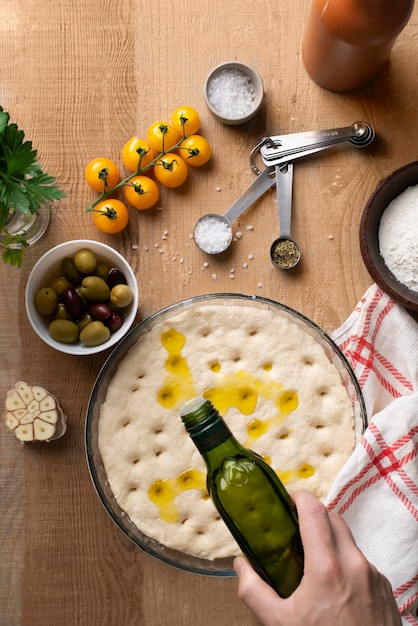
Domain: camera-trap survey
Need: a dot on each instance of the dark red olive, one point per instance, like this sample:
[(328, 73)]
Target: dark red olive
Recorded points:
[(73, 303), (99, 311), (114, 322), (115, 277)]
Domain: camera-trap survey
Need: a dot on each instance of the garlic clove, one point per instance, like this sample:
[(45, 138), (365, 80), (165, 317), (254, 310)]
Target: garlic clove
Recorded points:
[(24, 432), (14, 401), (11, 421), (42, 430), (34, 414)]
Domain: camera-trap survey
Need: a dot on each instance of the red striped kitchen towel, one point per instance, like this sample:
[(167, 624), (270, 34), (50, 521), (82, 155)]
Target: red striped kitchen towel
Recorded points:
[(377, 490)]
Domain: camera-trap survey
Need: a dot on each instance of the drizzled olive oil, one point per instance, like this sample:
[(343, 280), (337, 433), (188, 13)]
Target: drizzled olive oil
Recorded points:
[(163, 492), (249, 497)]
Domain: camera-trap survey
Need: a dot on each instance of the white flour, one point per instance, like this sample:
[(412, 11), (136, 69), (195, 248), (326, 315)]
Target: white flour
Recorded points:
[(398, 237)]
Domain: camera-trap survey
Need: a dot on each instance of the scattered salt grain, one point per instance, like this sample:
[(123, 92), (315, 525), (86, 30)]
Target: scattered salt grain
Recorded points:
[(231, 93), (245, 265), (232, 276), (217, 188), (215, 276), (250, 227), (238, 234), (259, 285), (212, 234), (156, 245), (251, 256)]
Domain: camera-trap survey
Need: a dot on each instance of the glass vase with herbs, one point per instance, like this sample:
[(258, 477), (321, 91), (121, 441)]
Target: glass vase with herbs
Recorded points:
[(25, 192)]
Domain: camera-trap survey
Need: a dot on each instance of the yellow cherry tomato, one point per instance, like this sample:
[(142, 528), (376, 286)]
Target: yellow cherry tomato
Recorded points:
[(101, 174), (171, 170), (111, 216), (134, 150), (185, 121), (195, 150), (162, 137), (142, 192)]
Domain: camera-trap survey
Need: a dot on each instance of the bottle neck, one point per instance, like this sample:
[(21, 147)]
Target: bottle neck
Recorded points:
[(205, 426)]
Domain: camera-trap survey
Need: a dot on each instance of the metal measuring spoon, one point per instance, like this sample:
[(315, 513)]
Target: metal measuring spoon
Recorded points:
[(284, 251), (213, 233), (284, 148)]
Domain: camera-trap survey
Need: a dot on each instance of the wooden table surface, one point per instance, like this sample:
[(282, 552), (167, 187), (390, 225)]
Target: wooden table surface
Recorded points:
[(81, 78)]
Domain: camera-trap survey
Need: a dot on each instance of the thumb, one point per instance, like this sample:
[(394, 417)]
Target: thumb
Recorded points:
[(256, 593)]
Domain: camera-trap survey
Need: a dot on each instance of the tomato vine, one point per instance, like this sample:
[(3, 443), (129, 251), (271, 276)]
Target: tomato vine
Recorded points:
[(161, 155)]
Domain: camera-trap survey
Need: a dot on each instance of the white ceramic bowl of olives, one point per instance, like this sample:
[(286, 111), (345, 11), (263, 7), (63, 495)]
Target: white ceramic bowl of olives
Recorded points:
[(81, 297)]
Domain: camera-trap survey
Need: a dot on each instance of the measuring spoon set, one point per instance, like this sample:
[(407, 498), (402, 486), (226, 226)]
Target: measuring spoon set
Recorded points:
[(213, 233)]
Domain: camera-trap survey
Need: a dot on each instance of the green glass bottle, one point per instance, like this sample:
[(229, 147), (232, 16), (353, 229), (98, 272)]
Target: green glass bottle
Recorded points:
[(249, 497)]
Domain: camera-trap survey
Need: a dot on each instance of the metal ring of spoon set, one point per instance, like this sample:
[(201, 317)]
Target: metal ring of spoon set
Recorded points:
[(213, 233)]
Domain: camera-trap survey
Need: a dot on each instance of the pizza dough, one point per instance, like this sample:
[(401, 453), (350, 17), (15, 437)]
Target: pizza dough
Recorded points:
[(271, 381)]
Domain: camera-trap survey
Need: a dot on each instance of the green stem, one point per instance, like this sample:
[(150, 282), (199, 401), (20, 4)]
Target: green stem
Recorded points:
[(140, 170)]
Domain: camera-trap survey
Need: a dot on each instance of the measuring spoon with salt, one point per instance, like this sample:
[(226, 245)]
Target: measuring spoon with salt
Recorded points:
[(284, 251), (213, 233)]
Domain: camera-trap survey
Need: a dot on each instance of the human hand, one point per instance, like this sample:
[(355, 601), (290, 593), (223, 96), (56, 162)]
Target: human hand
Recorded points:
[(339, 586)]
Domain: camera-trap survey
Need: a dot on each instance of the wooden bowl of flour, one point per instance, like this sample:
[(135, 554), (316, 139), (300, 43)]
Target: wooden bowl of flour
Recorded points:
[(389, 235)]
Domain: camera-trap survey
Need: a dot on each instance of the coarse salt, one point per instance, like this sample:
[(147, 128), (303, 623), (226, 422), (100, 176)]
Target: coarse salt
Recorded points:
[(212, 234), (231, 93), (398, 237)]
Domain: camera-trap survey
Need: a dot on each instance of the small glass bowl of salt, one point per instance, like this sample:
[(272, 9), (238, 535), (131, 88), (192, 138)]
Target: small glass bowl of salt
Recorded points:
[(233, 92)]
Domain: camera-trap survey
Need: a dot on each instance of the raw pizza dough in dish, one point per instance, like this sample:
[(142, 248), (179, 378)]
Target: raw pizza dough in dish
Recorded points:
[(271, 381)]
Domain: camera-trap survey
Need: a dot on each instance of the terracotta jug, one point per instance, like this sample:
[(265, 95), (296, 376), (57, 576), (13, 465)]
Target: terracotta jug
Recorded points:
[(346, 42)]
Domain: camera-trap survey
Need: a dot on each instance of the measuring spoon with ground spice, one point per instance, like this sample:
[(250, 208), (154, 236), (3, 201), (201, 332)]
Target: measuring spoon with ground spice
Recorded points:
[(284, 251)]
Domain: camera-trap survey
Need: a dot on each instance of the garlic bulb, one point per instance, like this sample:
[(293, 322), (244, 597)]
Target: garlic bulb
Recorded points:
[(33, 414)]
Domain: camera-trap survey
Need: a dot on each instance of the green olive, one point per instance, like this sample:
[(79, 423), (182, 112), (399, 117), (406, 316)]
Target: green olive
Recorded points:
[(102, 270), (61, 312), (70, 271), (64, 331), (85, 261), (85, 320), (80, 293), (95, 289), (94, 334), (59, 284), (121, 296), (46, 301)]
